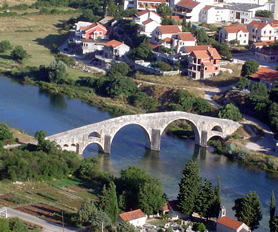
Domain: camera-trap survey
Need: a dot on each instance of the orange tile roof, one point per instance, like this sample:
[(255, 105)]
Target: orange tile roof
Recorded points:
[(175, 17), (265, 74), (113, 43), (206, 53), (190, 4), (132, 215), (165, 207), (197, 48), (274, 23), (95, 25), (207, 7), (186, 36), (263, 43), (167, 40), (147, 21), (169, 29), (231, 223), (236, 29), (257, 24)]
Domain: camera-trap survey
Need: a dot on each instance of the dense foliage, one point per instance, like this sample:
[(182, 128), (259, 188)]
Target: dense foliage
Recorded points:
[(185, 101), (197, 194), (263, 13), (230, 111), (5, 45), (125, 227), (249, 67), (248, 210), (137, 189), (19, 54), (14, 225)]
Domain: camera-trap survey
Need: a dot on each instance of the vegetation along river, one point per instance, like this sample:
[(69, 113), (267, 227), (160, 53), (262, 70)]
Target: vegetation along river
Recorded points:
[(28, 108)]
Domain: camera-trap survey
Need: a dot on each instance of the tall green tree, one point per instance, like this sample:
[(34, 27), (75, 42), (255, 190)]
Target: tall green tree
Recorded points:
[(249, 67), (272, 212), (248, 210), (108, 201), (164, 10), (86, 212), (202, 36), (57, 71), (190, 187)]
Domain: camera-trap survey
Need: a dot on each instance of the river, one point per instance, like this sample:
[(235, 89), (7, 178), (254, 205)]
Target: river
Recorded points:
[(30, 109)]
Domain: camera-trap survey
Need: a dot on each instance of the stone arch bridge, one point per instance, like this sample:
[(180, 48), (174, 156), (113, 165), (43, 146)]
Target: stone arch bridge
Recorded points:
[(153, 124)]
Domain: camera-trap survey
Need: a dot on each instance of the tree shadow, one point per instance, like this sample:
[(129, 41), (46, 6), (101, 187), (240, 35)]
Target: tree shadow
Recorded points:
[(219, 83), (6, 57), (52, 41)]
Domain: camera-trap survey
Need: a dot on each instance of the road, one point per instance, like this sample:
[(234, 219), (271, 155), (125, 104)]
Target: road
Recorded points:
[(47, 226)]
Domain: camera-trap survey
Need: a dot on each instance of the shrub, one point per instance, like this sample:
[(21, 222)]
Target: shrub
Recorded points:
[(161, 65), (231, 112), (5, 132), (19, 53), (249, 67), (5, 45)]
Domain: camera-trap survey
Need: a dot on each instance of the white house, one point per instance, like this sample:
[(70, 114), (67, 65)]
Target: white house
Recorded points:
[(144, 15), (188, 9), (183, 39), (165, 33), (134, 217), (115, 49), (232, 33), (259, 31), (143, 4), (226, 224), (148, 27)]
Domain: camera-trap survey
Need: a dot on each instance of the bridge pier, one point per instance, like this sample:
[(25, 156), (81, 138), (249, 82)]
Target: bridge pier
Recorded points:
[(107, 144), (204, 139), (155, 140)]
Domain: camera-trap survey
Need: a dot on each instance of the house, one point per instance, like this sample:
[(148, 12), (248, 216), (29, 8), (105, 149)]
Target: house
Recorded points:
[(134, 217), (208, 15), (163, 34), (203, 63), (260, 31), (148, 27), (260, 45), (94, 31), (183, 39), (78, 30), (144, 15), (115, 49), (265, 75), (186, 50), (274, 24), (226, 224), (234, 33), (188, 9), (143, 4)]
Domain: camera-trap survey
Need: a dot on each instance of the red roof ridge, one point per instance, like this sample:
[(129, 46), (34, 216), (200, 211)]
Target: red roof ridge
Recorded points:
[(132, 215), (113, 43), (229, 222), (236, 28), (169, 29), (188, 3)]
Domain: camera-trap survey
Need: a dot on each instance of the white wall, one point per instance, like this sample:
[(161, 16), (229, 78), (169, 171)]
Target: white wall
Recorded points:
[(139, 221)]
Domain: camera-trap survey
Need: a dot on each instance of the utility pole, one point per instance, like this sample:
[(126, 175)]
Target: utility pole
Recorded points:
[(102, 226), (63, 220)]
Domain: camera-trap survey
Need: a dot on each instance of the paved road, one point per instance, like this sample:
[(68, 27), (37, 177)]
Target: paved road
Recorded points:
[(47, 226)]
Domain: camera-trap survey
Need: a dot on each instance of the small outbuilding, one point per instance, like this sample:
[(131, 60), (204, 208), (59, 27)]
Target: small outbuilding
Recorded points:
[(134, 217), (226, 224)]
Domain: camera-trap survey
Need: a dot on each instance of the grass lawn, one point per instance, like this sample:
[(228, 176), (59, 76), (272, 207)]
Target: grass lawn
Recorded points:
[(17, 2)]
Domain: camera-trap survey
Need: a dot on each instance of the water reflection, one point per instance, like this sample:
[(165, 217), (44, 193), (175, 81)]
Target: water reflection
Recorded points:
[(56, 100)]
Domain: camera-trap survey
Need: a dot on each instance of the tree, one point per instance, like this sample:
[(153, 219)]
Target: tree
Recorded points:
[(5, 45), (4, 226), (243, 83), (57, 71), (248, 210), (273, 116), (100, 220), (164, 10), (142, 52), (86, 212), (88, 15), (205, 200), (40, 136), (190, 186), (108, 201), (263, 13), (230, 111), (19, 54), (249, 67), (125, 227), (121, 68), (201, 36), (223, 49), (151, 198), (258, 93), (5, 132), (17, 226), (272, 212)]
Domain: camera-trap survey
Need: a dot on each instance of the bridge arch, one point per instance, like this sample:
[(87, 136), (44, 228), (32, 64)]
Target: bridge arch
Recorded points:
[(195, 129), (217, 128), (145, 130), (84, 146), (94, 134)]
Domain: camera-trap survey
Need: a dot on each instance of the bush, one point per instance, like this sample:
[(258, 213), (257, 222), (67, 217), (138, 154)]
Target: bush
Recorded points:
[(19, 54), (5, 45), (143, 100), (199, 226), (263, 13), (249, 67), (231, 112), (5, 132), (162, 66)]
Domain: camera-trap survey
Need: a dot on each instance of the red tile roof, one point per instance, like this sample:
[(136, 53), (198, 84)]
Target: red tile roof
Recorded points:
[(132, 215), (207, 7), (263, 43), (190, 4), (274, 23), (205, 54), (167, 40), (153, 46), (95, 25), (142, 12), (231, 223), (236, 29), (113, 43), (197, 48), (186, 36), (175, 17), (147, 21), (169, 29), (265, 74), (165, 207), (257, 24)]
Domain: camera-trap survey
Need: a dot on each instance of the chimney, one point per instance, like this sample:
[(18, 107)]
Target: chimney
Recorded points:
[(276, 10)]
